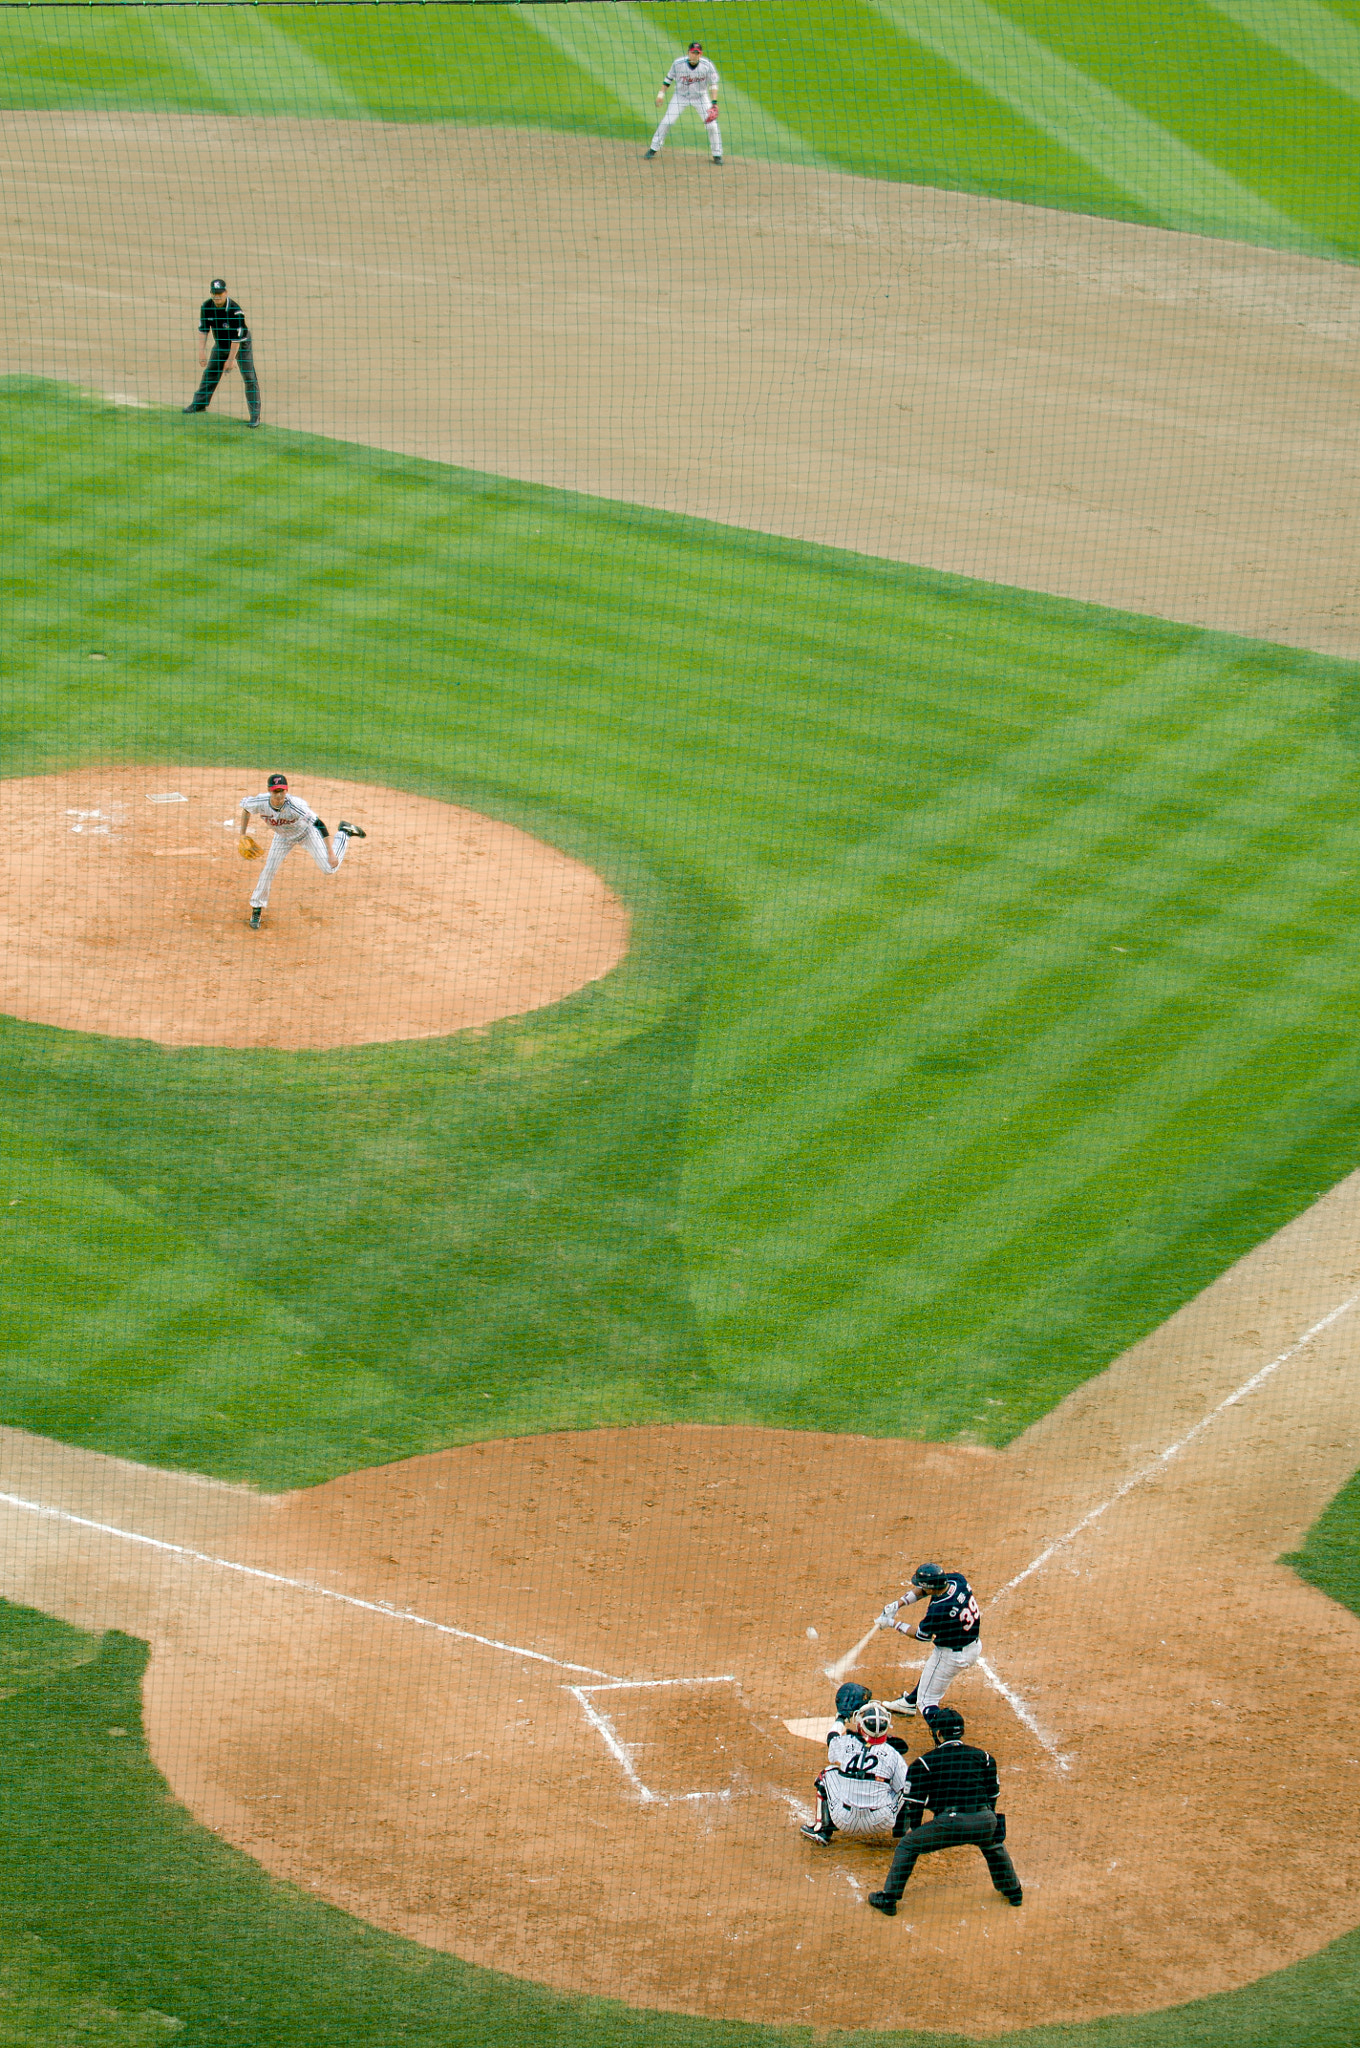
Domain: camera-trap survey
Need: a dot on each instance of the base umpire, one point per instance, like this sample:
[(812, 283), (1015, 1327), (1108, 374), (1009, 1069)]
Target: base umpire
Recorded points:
[(221, 317)]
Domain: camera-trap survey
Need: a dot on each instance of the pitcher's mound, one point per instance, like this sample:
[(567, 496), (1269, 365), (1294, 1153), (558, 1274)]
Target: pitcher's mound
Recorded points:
[(128, 910)]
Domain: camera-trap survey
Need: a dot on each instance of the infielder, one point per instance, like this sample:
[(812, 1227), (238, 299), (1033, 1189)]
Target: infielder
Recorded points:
[(960, 1786), (951, 1624), (863, 1790), (293, 823), (695, 83)]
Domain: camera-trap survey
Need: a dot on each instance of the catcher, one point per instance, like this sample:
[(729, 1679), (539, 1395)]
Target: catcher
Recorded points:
[(292, 823), (864, 1788)]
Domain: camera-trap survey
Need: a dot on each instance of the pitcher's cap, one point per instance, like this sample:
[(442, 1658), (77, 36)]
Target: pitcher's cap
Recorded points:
[(277, 782)]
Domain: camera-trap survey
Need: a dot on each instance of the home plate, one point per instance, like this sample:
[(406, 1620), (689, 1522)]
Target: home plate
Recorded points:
[(815, 1730)]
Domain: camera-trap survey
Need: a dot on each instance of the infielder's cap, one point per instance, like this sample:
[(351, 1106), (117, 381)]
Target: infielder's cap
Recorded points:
[(696, 46), (277, 782), (219, 284)]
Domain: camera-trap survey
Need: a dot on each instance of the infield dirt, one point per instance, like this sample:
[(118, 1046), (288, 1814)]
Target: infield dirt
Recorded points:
[(1135, 417), (1113, 413), (448, 1781)]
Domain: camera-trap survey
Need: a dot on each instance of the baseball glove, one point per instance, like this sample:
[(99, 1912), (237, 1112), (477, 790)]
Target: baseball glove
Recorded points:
[(712, 114), (247, 848)]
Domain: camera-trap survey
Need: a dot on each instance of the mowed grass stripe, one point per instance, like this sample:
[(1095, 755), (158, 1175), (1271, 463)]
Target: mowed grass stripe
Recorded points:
[(1010, 878), (1047, 1063), (1180, 187), (1139, 713), (1008, 1212), (1045, 1079), (1311, 36), (1037, 1082)]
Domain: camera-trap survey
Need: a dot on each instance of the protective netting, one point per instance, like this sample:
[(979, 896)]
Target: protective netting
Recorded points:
[(769, 592)]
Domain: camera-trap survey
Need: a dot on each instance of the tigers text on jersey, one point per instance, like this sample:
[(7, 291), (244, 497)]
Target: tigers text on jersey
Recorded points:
[(291, 819), (694, 86), (953, 1617)]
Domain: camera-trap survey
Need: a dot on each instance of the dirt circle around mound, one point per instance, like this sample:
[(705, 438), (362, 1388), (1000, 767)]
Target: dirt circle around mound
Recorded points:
[(128, 915), (554, 1737)]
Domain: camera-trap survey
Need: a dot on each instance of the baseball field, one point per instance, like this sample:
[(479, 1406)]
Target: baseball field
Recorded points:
[(839, 1046)]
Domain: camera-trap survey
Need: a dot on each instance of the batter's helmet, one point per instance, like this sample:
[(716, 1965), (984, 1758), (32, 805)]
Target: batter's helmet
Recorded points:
[(927, 1575), (850, 1698), (944, 1723), (874, 1721)]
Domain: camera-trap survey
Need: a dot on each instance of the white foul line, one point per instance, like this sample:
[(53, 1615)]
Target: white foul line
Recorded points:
[(250, 1571), (619, 1750), (1173, 1450), (1022, 1713)]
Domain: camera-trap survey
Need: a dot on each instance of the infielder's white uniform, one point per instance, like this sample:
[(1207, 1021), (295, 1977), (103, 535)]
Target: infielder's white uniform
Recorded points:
[(293, 824), (693, 88), (864, 1783)]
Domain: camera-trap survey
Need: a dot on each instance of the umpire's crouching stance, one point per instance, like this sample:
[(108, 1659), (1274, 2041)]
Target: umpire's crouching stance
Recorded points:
[(960, 1786), (221, 317)]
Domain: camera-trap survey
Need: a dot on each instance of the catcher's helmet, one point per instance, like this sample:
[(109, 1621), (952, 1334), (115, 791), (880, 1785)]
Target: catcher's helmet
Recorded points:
[(850, 1698), (874, 1721), (944, 1723), (927, 1575)]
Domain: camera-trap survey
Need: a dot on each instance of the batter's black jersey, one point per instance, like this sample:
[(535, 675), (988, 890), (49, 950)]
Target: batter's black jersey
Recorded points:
[(954, 1775), (953, 1617), (226, 323)]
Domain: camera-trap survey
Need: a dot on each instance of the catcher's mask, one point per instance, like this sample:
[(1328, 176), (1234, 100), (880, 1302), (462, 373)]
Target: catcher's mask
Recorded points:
[(850, 1698), (874, 1722), (944, 1723), (927, 1575)]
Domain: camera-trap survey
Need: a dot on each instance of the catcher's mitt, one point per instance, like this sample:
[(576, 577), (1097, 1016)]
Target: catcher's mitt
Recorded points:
[(247, 848), (712, 114)]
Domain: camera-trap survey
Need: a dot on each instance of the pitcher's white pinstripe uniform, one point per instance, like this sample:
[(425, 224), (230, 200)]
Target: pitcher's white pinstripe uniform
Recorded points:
[(292, 824)]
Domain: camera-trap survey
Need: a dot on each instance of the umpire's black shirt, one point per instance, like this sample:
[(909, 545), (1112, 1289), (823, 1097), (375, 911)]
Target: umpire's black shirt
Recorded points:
[(954, 1775), (226, 324)]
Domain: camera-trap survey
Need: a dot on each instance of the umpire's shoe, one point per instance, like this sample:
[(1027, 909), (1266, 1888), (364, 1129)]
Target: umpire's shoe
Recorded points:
[(882, 1902)]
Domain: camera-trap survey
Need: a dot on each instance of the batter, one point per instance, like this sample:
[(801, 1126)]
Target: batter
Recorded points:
[(951, 1624), (293, 823), (696, 83)]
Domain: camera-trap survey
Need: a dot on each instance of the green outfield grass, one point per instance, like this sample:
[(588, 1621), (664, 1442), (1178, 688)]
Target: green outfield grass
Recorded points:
[(1238, 118), (123, 1923), (993, 984)]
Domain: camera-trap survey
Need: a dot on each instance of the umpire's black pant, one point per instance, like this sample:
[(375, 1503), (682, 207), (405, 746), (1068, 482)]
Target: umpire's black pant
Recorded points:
[(212, 376), (952, 1831)]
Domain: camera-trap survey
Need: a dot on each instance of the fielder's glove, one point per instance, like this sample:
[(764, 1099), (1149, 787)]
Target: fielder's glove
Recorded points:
[(247, 848), (712, 114)]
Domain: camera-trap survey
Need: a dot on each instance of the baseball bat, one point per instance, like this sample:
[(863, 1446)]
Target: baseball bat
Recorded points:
[(836, 1672)]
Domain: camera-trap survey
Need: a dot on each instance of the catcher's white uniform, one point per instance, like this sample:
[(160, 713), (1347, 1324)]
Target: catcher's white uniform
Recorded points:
[(863, 1785), (695, 83)]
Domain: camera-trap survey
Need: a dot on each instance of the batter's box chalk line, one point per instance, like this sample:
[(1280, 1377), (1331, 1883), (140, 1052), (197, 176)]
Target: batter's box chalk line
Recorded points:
[(622, 1752)]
